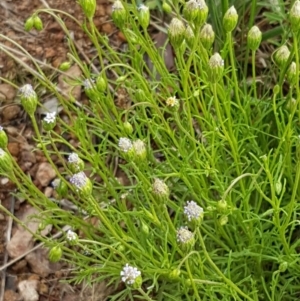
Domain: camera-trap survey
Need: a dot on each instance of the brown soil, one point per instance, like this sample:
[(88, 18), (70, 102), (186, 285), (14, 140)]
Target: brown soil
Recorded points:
[(48, 46)]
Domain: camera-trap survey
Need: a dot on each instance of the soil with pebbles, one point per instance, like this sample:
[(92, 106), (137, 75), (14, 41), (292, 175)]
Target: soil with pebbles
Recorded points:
[(32, 277)]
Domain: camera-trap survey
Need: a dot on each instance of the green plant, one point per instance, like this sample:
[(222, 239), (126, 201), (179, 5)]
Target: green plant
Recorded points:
[(211, 207)]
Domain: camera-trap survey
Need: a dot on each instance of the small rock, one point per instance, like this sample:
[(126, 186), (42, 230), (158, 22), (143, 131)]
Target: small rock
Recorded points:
[(44, 289), (10, 112), (7, 92), (63, 82), (45, 174), (19, 266), (2, 217), (48, 192), (28, 290), (14, 148), (20, 243), (4, 181), (27, 156), (11, 296), (40, 263)]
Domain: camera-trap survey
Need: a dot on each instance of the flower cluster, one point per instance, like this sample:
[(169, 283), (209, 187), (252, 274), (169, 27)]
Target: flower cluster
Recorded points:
[(82, 183), (130, 275), (193, 211), (71, 236), (50, 117)]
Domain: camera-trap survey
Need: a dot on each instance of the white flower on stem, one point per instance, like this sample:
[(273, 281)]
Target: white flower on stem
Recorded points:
[(193, 211), (50, 117), (130, 275), (185, 238), (71, 236), (82, 183), (75, 163), (125, 145), (73, 158), (172, 102)]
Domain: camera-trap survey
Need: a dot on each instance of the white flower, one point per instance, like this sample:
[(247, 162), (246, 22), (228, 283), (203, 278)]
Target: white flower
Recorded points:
[(79, 180), (27, 91), (193, 211), (71, 236), (50, 117), (184, 235), (73, 158), (125, 145), (172, 101), (88, 84), (129, 274), (139, 147)]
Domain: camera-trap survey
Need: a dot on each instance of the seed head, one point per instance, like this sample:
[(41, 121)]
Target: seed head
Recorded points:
[(131, 276), (29, 99), (5, 162), (230, 19), (144, 16), (196, 11), (281, 56), (295, 16), (207, 36), (139, 148), (119, 14), (291, 74), (254, 38), (176, 32), (160, 189), (185, 238), (88, 7), (215, 68), (3, 138)]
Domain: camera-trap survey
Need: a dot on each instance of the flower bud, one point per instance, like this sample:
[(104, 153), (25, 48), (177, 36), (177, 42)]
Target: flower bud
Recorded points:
[(276, 89), (254, 38), (278, 187), (55, 254), (172, 275), (5, 162), (222, 206), (144, 16), (283, 266), (291, 74), (29, 99), (3, 138), (82, 183), (295, 16), (140, 152), (144, 229), (223, 220), (88, 7), (101, 84), (65, 66), (189, 36), (131, 276), (128, 128), (49, 121), (29, 23), (196, 11), (37, 23), (160, 189), (166, 7), (230, 19), (90, 89), (60, 187), (140, 95), (281, 56), (185, 239), (176, 32), (291, 103), (72, 237), (75, 164), (207, 36), (215, 68), (119, 14)]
